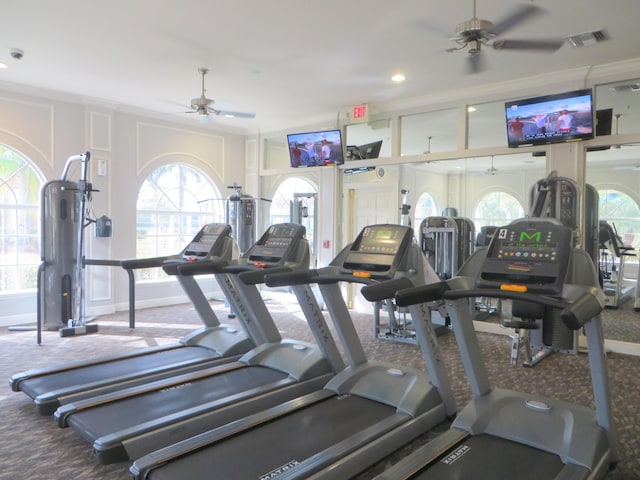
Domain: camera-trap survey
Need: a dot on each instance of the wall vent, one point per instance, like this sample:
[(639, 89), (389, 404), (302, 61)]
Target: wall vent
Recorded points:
[(626, 87), (588, 38)]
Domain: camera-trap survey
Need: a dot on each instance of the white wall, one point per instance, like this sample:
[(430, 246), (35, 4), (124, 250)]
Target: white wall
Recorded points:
[(49, 130)]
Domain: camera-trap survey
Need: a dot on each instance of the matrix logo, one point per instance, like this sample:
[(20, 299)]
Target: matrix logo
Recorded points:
[(280, 470), (455, 455), (530, 237)]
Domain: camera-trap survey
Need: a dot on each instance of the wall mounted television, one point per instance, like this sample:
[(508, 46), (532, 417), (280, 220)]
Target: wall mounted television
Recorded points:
[(310, 149), (361, 152), (557, 118)]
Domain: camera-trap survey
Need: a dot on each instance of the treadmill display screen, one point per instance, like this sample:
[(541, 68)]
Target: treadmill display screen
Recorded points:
[(385, 240), (277, 243), (205, 241), (378, 250), (531, 254), (530, 244)]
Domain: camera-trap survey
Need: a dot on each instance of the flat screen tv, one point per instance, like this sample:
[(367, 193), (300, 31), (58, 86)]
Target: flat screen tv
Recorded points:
[(361, 152), (310, 149), (558, 118)]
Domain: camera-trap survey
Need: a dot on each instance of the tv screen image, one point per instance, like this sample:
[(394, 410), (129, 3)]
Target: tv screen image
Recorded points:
[(548, 119), (311, 149)]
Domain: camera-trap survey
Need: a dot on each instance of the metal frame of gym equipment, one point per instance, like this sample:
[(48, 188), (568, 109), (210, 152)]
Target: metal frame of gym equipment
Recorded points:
[(399, 326), (613, 257), (61, 274), (364, 413), (508, 434), (446, 242), (212, 344), (559, 198), (485, 307)]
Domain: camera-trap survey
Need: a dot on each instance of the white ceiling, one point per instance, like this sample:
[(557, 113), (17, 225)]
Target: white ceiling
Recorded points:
[(292, 62)]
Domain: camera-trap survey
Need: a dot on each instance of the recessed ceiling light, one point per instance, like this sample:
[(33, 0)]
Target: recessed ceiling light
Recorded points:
[(3, 66), (398, 78), (471, 109)]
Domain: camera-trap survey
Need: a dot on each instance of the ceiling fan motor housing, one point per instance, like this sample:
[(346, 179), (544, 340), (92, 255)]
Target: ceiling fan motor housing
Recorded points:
[(475, 29)]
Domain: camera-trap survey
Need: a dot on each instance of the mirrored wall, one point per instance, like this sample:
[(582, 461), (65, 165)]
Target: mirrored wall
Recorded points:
[(462, 183)]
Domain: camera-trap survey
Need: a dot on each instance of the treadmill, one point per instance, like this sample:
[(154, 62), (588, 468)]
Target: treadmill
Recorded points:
[(503, 434), (365, 412), (213, 344), (130, 423)]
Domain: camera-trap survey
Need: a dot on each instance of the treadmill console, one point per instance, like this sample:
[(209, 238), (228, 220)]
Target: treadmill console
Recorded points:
[(276, 244), (378, 250), (208, 242), (528, 256)]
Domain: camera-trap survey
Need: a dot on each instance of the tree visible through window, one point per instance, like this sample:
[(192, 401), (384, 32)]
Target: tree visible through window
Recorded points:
[(497, 209), (19, 221), (173, 203), (622, 212)]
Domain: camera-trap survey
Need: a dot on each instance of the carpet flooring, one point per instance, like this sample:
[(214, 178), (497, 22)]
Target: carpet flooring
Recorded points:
[(33, 446)]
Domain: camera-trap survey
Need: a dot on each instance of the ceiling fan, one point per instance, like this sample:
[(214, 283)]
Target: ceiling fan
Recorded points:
[(475, 33), (204, 106), (492, 170)]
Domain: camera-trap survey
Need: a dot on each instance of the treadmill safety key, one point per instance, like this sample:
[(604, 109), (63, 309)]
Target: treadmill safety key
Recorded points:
[(511, 287), (362, 274)]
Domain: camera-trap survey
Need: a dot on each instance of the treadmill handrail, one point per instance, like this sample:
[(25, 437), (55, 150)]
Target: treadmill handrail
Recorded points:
[(376, 292), (135, 263), (256, 275), (574, 314), (325, 275), (202, 267)]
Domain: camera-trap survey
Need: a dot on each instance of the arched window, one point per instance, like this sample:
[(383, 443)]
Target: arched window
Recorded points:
[(498, 209), (173, 203), (425, 207), (623, 213), (20, 187)]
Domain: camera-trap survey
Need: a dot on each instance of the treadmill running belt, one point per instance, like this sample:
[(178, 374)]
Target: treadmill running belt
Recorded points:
[(486, 456), (101, 371), (276, 446), (112, 417)]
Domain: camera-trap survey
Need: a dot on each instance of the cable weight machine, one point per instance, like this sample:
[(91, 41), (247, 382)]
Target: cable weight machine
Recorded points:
[(61, 273)]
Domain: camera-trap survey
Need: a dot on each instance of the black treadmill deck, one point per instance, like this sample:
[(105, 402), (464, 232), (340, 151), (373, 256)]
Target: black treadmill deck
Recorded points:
[(106, 419), (39, 385), (492, 457), (280, 444)]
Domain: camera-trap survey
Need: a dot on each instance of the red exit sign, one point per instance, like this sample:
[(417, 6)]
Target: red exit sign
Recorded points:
[(360, 112)]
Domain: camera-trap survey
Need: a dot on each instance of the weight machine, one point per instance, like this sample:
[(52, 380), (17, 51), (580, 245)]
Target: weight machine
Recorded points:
[(61, 273)]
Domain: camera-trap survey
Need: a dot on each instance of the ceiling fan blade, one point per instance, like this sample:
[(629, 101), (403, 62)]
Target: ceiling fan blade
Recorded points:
[(229, 113), (540, 45), (475, 63), (517, 16)]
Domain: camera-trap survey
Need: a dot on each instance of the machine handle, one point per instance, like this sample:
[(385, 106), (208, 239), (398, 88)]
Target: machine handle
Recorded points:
[(344, 277), (136, 263), (422, 294), (381, 291), (298, 277), (257, 276), (581, 311), (201, 267), (507, 294)]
